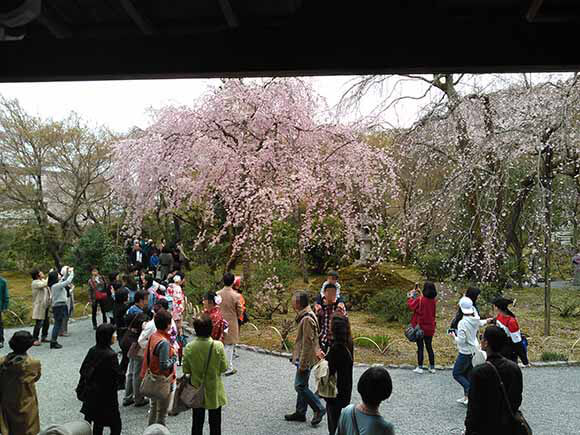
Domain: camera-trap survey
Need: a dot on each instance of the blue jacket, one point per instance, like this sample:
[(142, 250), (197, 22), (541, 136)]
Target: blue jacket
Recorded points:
[(4, 295)]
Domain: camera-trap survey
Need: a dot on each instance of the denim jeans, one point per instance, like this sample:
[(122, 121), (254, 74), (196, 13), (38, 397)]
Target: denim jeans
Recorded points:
[(461, 370), (60, 313), (305, 396), (133, 381)]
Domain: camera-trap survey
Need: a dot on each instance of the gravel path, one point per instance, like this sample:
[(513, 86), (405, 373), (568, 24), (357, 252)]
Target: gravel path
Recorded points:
[(262, 392)]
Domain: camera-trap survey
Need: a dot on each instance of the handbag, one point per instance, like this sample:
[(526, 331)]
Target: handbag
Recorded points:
[(521, 426), (156, 387), (479, 357), (325, 382), (191, 396), (414, 333)]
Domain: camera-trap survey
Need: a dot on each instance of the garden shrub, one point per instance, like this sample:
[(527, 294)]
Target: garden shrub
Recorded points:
[(570, 309), (553, 356), (200, 280), (360, 283), (434, 266), (390, 305), (489, 293), (94, 248), (382, 340), (21, 307)]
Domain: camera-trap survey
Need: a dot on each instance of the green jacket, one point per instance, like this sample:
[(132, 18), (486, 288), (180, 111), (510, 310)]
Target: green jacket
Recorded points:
[(194, 360), (4, 295)]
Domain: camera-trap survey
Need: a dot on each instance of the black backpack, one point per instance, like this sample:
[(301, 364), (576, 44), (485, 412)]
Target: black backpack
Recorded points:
[(87, 387)]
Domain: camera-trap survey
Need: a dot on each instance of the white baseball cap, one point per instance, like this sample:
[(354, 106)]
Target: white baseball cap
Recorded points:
[(466, 305)]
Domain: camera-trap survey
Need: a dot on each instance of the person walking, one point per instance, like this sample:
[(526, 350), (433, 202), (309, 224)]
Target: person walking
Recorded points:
[(41, 302), (97, 288), (4, 303), (160, 359), (231, 308), (467, 343), (340, 363), (135, 354), (329, 306), (507, 321), (374, 386), (487, 410), (100, 379), (204, 360), (18, 374), (58, 285), (424, 308), (211, 307), (305, 355)]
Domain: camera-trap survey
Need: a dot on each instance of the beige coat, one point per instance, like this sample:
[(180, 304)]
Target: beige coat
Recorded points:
[(307, 347), (18, 403), (40, 298), (231, 308)]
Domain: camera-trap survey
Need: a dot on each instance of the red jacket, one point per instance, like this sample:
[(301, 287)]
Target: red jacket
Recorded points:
[(424, 310)]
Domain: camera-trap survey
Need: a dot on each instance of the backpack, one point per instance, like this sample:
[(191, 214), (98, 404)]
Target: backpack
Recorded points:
[(86, 388)]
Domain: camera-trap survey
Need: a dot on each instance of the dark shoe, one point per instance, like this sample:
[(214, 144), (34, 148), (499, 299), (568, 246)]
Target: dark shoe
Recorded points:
[(45, 340), (128, 402), (55, 345), (1, 344), (295, 417), (230, 372), (318, 417), (141, 404)]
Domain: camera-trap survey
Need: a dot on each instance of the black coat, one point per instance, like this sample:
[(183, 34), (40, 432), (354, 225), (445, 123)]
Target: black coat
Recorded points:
[(487, 412), (340, 362), (103, 407)]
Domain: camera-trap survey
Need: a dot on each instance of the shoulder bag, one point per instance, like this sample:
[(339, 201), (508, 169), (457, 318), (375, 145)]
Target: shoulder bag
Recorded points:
[(191, 396), (156, 387), (414, 333), (479, 356), (521, 426)]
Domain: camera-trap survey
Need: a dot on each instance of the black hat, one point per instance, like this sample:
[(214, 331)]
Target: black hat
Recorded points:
[(21, 341), (502, 303)]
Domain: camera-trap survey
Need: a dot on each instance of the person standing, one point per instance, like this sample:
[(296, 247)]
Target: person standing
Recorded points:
[(424, 308), (137, 258), (305, 355), (18, 374), (331, 278), (4, 303), (160, 359), (101, 376), (97, 295), (165, 263), (507, 321), (340, 363), (211, 307), (374, 386), (487, 410), (130, 346), (231, 308), (40, 306), (473, 294), (467, 343), (58, 285), (329, 306), (204, 359)]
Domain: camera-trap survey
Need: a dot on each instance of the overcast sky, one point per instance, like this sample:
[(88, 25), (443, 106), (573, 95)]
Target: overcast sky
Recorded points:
[(121, 105)]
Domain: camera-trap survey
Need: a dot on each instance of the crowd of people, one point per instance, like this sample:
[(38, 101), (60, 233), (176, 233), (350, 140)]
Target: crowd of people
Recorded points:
[(143, 311)]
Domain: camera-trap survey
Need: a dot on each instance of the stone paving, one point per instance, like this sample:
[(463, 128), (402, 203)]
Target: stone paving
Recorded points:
[(262, 392)]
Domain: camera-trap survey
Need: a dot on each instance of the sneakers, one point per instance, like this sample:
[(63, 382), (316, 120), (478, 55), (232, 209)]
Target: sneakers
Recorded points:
[(419, 370), (295, 417), (463, 401), (55, 345), (230, 372), (432, 370), (128, 402), (141, 404), (318, 417)]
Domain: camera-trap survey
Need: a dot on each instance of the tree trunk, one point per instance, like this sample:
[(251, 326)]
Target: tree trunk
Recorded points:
[(547, 185)]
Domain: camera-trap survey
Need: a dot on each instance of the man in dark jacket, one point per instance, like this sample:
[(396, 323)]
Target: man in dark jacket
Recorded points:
[(4, 302), (487, 410)]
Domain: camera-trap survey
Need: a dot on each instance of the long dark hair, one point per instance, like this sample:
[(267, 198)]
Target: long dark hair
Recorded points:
[(341, 332), (104, 334), (52, 278), (429, 290)]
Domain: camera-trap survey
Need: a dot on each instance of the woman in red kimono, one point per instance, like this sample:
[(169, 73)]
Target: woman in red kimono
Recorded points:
[(211, 303)]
